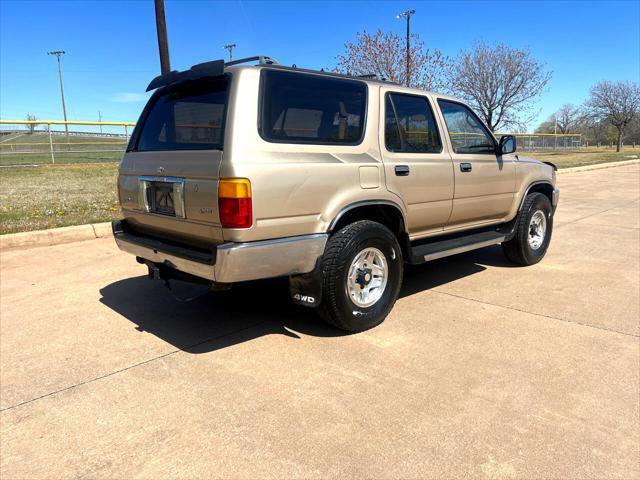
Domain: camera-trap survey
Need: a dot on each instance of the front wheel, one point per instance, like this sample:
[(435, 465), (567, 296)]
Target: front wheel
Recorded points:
[(533, 231), (361, 276)]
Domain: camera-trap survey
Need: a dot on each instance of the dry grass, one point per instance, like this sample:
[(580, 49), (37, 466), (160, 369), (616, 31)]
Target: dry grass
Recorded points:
[(35, 198)]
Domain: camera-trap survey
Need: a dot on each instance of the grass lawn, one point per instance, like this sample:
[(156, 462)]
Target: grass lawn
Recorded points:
[(49, 196), (578, 158)]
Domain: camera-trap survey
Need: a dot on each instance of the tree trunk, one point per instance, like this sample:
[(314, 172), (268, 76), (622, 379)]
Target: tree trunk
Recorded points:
[(619, 144)]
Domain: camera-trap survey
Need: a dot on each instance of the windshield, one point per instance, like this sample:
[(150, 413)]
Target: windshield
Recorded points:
[(189, 116)]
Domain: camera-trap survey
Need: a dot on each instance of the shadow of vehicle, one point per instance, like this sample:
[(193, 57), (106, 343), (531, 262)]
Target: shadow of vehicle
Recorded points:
[(215, 320)]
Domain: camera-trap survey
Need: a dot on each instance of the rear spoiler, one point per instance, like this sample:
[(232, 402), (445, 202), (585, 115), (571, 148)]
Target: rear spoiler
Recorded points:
[(214, 68)]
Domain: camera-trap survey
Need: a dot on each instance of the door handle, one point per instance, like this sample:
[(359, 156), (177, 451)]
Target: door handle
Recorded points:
[(402, 170), (465, 167)]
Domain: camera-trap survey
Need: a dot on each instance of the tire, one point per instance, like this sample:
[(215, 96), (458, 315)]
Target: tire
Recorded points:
[(344, 301), (528, 246)]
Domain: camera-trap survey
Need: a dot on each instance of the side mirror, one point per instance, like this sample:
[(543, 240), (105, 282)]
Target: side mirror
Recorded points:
[(507, 144)]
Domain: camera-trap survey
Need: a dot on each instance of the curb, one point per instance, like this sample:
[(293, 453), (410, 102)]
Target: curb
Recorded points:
[(54, 236), (598, 166), (78, 233)]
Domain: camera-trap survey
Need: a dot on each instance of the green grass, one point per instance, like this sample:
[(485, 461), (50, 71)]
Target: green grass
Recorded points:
[(35, 198), (61, 157), (48, 196)]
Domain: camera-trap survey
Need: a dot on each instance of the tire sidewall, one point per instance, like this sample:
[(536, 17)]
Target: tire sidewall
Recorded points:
[(381, 238), (542, 203)]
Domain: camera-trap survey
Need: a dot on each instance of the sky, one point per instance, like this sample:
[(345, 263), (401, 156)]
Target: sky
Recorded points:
[(112, 53)]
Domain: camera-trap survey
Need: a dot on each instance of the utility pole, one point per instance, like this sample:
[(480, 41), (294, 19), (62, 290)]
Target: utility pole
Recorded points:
[(555, 133), (100, 120), (407, 15), (230, 47), (57, 53), (163, 42)]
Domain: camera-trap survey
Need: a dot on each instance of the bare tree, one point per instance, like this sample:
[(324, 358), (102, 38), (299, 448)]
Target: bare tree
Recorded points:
[(499, 82), (385, 54), (568, 118), (31, 126), (616, 102)]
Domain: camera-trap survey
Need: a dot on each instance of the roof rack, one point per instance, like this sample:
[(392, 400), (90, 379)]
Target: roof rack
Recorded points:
[(261, 59)]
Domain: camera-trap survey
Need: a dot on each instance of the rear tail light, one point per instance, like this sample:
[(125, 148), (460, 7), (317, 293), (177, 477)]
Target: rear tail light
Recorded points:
[(234, 203)]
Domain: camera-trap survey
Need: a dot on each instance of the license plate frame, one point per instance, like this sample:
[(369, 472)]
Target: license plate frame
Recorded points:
[(162, 196)]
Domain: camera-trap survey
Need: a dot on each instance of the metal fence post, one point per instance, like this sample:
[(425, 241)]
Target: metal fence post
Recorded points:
[(53, 158), (126, 134)]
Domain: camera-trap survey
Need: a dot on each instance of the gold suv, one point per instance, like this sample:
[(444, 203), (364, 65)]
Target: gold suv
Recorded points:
[(250, 170)]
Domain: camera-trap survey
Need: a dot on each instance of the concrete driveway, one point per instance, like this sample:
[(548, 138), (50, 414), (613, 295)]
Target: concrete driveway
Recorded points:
[(482, 369)]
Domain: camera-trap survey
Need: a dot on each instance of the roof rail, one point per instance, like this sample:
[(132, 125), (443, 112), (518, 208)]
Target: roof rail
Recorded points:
[(261, 59), (375, 76)]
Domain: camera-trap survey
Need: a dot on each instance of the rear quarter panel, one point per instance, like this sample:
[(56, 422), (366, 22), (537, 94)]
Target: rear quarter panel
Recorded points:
[(297, 188)]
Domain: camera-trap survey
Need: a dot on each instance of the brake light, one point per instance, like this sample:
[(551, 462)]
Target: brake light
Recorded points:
[(234, 203)]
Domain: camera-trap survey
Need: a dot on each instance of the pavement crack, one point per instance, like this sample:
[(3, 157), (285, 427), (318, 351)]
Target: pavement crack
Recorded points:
[(597, 213), (121, 370), (537, 314)]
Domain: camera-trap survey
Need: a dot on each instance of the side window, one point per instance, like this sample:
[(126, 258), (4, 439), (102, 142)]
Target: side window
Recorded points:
[(409, 125), (300, 108), (467, 133)]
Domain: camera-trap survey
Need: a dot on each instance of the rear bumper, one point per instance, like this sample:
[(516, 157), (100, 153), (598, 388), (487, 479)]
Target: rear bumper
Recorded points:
[(230, 262)]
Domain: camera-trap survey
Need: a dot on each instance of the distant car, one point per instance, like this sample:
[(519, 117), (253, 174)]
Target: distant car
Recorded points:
[(245, 171)]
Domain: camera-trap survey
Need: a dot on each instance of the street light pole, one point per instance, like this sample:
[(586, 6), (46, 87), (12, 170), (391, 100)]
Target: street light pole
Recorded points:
[(163, 42), (407, 15), (230, 47), (57, 53)]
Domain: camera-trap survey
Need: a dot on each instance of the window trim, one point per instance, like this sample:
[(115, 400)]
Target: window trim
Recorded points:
[(261, 111), (484, 127), (135, 135), (387, 95)]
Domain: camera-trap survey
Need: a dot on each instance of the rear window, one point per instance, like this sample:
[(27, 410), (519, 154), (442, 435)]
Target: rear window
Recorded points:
[(186, 117), (299, 108)]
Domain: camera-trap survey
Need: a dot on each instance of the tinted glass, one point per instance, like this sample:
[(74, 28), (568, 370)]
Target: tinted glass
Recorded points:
[(300, 108), (467, 133), (189, 117), (409, 125)]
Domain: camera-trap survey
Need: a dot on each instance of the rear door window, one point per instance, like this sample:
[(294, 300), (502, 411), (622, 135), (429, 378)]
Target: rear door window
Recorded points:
[(300, 108), (186, 117), (409, 125)]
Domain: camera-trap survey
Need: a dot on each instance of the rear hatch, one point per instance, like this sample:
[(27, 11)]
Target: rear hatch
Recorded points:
[(168, 180)]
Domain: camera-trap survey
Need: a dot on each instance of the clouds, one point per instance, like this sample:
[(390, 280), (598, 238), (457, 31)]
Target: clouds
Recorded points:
[(128, 97)]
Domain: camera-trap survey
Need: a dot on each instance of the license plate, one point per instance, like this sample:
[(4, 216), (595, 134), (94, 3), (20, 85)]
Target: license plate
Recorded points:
[(162, 195), (162, 200)]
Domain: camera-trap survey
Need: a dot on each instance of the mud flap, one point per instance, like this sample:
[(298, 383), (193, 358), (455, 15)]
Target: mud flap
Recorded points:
[(306, 289)]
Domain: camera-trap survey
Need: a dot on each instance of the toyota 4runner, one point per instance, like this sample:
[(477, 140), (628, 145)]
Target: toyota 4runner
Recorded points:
[(250, 170)]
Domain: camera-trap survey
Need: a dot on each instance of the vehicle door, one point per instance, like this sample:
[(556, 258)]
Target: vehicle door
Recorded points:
[(417, 166), (484, 181)]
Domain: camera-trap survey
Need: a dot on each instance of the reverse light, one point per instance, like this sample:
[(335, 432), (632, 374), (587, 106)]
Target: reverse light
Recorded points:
[(234, 203)]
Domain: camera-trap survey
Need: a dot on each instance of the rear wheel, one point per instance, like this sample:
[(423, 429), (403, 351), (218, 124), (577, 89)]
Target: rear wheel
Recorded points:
[(361, 276), (533, 231)]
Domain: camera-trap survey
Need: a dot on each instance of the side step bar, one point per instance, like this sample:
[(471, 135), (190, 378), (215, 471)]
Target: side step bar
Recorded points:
[(444, 248)]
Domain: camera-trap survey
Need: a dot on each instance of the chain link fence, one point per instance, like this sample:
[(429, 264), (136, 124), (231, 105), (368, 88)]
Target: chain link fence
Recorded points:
[(42, 142)]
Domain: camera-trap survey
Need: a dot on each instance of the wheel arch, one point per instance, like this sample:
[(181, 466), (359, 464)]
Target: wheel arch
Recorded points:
[(541, 186), (385, 212)]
